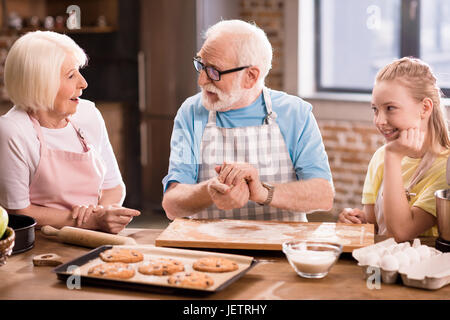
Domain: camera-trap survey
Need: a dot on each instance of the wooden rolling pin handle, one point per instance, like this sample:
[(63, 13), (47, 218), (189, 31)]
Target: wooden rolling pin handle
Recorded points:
[(49, 231), (47, 259), (87, 238)]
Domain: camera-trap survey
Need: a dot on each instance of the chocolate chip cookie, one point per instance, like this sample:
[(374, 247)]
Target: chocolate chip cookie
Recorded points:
[(161, 267), (121, 255), (191, 279), (214, 264), (118, 270)]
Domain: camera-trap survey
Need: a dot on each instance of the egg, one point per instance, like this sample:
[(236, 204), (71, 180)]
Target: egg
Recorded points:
[(416, 243), (380, 251), (372, 259), (397, 248), (391, 248), (424, 252), (413, 254), (403, 259), (405, 245), (383, 252), (389, 263)]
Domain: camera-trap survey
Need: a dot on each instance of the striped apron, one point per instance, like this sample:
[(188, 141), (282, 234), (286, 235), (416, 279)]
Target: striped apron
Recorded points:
[(261, 146)]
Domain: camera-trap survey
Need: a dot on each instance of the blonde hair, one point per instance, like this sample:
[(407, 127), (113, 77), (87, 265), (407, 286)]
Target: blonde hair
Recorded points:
[(418, 77), (249, 43), (33, 68)]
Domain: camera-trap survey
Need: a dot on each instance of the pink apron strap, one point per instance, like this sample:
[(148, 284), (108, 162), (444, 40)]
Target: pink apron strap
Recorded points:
[(37, 127), (80, 135)]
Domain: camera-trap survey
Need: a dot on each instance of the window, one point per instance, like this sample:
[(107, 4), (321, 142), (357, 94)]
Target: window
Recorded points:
[(355, 38), (435, 38)]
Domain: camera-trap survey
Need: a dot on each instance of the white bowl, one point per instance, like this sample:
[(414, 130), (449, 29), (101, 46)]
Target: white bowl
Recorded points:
[(311, 259)]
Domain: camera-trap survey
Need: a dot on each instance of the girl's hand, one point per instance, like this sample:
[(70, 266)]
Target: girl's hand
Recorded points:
[(409, 142), (349, 215)]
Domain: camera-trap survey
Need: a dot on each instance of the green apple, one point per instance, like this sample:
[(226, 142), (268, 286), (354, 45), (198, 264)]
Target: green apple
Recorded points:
[(3, 221)]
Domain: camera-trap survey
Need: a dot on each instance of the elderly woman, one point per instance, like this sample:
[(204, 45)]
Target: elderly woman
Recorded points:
[(57, 164)]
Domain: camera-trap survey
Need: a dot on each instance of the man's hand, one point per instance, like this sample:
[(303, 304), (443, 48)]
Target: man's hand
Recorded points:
[(228, 197), (231, 174)]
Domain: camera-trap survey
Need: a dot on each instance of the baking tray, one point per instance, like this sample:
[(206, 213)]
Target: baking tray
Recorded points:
[(155, 283)]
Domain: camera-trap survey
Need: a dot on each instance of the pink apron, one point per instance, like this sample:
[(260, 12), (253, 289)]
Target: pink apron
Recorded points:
[(64, 179)]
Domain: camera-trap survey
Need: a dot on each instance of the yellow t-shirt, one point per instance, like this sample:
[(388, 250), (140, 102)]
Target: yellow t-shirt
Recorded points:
[(434, 179)]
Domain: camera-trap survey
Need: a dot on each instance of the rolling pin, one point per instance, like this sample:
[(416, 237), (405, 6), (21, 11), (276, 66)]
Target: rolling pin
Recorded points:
[(86, 238)]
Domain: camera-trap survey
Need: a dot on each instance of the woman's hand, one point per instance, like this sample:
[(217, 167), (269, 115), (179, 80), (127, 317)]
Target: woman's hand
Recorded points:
[(82, 214), (409, 142), (349, 215), (113, 218)]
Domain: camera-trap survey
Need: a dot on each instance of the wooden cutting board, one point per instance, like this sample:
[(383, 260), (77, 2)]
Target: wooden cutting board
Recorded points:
[(261, 235)]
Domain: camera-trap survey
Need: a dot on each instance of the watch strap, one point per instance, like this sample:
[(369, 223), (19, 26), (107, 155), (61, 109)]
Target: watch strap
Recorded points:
[(270, 192)]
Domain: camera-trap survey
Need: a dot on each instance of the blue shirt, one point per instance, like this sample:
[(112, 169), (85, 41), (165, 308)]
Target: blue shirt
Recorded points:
[(294, 117)]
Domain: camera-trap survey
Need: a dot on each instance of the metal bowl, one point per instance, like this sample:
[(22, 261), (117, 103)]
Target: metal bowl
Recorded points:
[(443, 213), (24, 229)]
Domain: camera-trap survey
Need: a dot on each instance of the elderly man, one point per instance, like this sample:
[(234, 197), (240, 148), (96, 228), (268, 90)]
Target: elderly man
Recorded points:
[(238, 149)]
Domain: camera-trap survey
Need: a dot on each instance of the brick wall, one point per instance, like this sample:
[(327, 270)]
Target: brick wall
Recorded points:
[(268, 15), (349, 145)]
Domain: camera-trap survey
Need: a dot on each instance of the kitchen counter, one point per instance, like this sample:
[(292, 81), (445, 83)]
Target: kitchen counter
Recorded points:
[(272, 278)]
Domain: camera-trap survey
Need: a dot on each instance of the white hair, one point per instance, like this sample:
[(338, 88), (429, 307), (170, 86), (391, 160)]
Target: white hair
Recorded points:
[(33, 68), (249, 42)]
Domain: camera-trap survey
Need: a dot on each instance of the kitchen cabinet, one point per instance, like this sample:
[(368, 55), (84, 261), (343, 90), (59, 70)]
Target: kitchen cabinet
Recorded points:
[(167, 77), (111, 72), (155, 135), (97, 16), (171, 35)]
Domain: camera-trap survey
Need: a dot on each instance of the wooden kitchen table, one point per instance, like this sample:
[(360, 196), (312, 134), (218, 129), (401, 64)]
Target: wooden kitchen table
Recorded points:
[(272, 278)]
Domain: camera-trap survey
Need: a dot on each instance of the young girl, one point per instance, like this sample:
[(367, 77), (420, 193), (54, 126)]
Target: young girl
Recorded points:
[(403, 175)]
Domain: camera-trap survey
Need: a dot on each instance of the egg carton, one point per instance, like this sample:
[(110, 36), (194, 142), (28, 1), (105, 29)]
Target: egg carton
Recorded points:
[(432, 274), (402, 261)]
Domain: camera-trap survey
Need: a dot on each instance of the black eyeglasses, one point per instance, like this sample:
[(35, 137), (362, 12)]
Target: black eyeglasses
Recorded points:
[(212, 72)]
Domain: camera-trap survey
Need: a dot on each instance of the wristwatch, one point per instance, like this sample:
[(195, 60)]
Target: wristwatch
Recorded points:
[(269, 188)]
